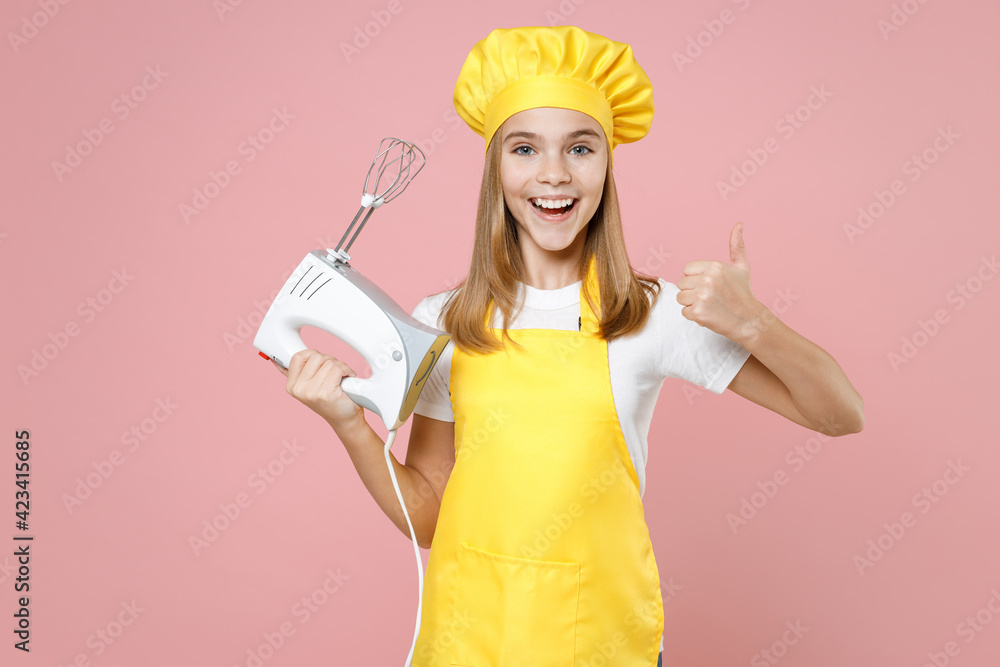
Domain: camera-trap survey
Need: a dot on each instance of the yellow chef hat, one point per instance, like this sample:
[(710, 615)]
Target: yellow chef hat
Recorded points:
[(515, 69)]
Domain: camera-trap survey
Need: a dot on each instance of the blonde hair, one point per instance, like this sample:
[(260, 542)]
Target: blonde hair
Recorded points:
[(496, 268)]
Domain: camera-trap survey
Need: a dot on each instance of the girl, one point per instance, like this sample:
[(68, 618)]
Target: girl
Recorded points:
[(526, 461)]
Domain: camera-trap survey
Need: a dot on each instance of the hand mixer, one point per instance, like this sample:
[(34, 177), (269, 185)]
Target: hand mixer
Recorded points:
[(326, 292)]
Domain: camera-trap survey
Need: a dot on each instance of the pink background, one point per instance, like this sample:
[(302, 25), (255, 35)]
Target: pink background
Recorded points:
[(176, 331)]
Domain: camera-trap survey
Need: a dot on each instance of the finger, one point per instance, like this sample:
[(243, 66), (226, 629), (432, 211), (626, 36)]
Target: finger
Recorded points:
[(314, 363), (323, 372), (296, 367), (737, 249), (344, 368), (330, 375), (321, 367), (330, 364), (299, 359), (687, 282), (283, 371), (696, 267)]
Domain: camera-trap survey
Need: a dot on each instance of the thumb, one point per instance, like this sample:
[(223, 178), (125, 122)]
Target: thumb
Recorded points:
[(737, 249)]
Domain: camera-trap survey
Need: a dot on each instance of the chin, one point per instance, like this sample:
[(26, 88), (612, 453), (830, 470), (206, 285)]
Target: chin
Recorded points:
[(554, 245)]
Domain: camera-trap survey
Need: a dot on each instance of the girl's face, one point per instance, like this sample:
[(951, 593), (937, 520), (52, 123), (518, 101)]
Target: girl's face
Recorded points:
[(557, 157)]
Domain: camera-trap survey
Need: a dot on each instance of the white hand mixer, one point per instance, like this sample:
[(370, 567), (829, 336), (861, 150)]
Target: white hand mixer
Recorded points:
[(328, 293)]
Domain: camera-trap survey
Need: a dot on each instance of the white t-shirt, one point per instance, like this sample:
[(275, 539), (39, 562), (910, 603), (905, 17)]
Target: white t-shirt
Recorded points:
[(669, 346)]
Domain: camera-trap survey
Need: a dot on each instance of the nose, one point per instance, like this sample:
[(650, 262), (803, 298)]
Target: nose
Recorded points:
[(553, 168)]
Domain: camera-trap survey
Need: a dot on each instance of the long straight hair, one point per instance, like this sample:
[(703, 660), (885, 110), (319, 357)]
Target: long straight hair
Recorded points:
[(497, 266)]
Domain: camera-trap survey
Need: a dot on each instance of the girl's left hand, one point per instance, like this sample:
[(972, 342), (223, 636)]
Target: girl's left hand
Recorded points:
[(717, 295)]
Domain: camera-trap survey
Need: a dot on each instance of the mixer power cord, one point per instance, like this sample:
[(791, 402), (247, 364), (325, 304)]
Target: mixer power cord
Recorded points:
[(413, 537)]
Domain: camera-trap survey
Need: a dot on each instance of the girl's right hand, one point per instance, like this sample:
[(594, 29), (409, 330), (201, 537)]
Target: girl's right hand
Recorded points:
[(314, 379)]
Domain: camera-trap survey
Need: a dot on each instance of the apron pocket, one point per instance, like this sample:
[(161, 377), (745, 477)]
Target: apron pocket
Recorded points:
[(514, 612)]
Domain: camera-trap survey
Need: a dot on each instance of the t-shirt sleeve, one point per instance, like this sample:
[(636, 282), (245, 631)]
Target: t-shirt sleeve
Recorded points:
[(435, 399), (691, 352)]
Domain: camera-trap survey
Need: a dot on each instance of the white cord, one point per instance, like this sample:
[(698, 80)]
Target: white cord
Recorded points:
[(416, 549)]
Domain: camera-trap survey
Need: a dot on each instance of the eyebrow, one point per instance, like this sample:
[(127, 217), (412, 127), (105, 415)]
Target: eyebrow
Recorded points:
[(531, 136)]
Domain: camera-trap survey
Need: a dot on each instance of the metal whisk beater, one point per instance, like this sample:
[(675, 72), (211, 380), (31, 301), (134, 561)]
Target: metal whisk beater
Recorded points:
[(399, 160)]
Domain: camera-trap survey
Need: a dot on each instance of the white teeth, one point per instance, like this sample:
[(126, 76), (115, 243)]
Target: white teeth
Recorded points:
[(552, 203)]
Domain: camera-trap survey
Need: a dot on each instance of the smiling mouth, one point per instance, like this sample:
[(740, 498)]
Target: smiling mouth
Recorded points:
[(554, 211)]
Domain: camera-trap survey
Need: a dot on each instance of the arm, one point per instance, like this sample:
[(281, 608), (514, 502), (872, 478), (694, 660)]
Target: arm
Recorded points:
[(797, 379), (421, 480), (314, 379), (785, 372), (431, 453)]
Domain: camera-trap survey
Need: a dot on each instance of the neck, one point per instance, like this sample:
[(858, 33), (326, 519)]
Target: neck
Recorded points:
[(549, 270)]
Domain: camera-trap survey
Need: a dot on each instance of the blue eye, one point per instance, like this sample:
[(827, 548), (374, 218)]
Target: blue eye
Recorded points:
[(518, 150), (586, 148)]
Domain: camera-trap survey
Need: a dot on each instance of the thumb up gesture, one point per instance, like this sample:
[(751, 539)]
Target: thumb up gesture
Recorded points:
[(717, 295)]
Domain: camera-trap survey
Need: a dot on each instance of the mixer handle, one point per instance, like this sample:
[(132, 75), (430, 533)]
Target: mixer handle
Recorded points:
[(362, 391)]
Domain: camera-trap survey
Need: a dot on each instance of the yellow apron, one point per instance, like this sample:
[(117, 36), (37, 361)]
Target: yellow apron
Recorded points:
[(541, 556)]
